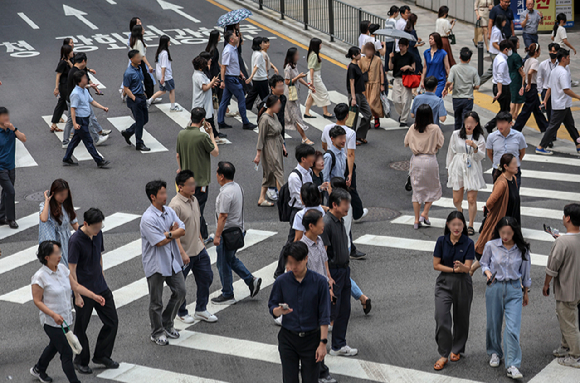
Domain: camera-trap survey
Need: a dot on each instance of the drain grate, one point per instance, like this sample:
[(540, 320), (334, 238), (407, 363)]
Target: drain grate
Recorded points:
[(400, 165), (380, 214), (35, 197)]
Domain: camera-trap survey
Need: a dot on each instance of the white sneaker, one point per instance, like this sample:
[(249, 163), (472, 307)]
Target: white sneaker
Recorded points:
[(569, 362), (148, 102), (561, 352), (220, 141), (65, 146), (105, 132), (205, 316), (158, 99), (233, 114), (188, 319), (575, 83), (176, 108), (494, 361), (101, 140), (514, 373), (172, 334), (123, 98), (365, 212), (272, 195), (161, 340), (345, 351), (278, 320)]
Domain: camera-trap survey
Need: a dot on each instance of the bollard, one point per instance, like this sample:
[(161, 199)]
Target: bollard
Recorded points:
[(480, 58)]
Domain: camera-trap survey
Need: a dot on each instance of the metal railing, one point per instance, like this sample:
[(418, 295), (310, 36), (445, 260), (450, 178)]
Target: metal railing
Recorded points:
[(333, 17)]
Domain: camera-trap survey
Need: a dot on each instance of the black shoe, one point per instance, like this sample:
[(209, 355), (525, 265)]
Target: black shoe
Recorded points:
[(40, 375), (550, 145), (69, 162), (224, 126), (142, 148), (126, 136), (308, 116), (222, 135), (403, 124), (13, 224), (83, 369), (110, 363), (357, 254), (103, 164), (255, 287), (249, 126), (330, 116), (221, 300), (489, 127), (3, 221)]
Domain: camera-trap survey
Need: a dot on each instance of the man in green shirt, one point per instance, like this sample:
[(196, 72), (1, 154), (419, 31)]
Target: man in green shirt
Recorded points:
[(195, 145)]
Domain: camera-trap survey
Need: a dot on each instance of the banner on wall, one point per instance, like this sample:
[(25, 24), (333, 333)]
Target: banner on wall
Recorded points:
[(548, 8)]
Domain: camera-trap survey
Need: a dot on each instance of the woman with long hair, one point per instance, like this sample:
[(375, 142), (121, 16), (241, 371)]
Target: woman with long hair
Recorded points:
[(318, 95), (57, 216), (506, 263), (164, 73), (293, 78), (136, 42), (355, 86), (373, 67), (453, 255), (214, 68), (517, 75), (259, 76), (559, 35), (270, 149), (445, 28), (425, 139), (436, 63), (60, 88), (413, 45), (503, 201), (464, 171)]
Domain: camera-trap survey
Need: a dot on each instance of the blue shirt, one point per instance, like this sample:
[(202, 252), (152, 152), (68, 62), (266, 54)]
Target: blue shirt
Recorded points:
[(164, 260), (513, 143), (231, 60), (133, 79), (81, 99), (86, 253), (309, 300), (339, 168), (7, 149), (509, 15), (435, 102), (436, 66), (462, 251), (508, 263)]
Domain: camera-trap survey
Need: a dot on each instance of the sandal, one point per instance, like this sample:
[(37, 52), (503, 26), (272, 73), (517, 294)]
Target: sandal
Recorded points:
[(358, 143), (363, 141), (266, 204), (307, 141), (470, 230), (439, 364), (55, 128), (425, 221), (454, 357), (61, 120)]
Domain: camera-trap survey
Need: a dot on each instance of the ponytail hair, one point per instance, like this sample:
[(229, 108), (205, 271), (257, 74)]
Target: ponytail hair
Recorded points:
[(271, 100), (532, 49), (559, 17)]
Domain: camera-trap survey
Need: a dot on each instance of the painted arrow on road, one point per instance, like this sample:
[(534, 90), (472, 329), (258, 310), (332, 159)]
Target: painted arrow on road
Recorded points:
[(177, 9), (69, 11)]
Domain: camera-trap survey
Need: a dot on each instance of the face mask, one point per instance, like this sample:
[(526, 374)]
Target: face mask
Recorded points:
[(509, 52), (553, 56)]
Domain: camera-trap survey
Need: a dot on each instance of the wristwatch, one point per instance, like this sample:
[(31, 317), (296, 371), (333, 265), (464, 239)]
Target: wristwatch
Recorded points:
[(325, 341), (169, 235)]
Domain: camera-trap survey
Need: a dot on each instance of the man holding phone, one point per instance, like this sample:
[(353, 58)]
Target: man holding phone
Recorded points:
[(195, 146)]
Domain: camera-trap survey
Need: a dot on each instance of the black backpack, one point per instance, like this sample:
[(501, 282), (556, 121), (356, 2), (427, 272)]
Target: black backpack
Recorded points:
[(333, 164), (284, 208)]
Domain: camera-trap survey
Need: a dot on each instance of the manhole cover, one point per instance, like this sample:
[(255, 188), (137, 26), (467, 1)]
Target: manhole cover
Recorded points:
[(35, 197), (400, 165), (379, 214)]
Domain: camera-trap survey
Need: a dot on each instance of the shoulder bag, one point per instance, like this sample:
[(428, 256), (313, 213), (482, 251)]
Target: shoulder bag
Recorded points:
[(233, 237), (411, 81), (352, 117), (292, 92)]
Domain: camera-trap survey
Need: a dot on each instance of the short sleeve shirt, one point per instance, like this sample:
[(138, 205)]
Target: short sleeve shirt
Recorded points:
[(350, 136), (337, 240), (80, 99), (532, 23), (57, 293), (297, 224), (317, 256), (200, 98), (7, 149), (355, 73), (133, 79), (509, 15), (560, 35), (400, 61), (313, 62), (513, 143), (63, 68), (140, 47), (531, 64), (464, 77), (194, 148), (437, 105), (259, 61), (86, 253), (560, 80), (231, 60), (495, 37), (230, 201), (462, 251), (164, 62), (187, 209)]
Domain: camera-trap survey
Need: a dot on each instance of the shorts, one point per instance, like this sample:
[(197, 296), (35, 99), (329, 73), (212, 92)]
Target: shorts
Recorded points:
[(168, 85)]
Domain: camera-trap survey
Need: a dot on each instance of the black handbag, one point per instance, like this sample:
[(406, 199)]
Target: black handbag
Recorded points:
[(233, 237), (485, 212), (408, 185)]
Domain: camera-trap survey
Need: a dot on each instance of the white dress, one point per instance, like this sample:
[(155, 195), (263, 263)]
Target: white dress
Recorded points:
[(459, 155)]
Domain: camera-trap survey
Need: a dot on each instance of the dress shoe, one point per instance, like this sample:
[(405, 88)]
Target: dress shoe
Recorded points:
[(107, 362), (142, 148), (225, 126), (357, 254), (126, 136), (12, 224), (249, 126), (103, 164), (69, 162), (83, 369)]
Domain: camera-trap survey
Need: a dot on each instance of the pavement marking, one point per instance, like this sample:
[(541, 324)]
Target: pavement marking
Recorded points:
[(319, 122), (23, 157), (555, 373), (542, 193), (177, 9), (23, 224), (81, 153), (70, 11), (551, 176), (352, 367), (529, 234), (96, 81), (552, 160), (122, 123), (420, 245), (134, 373), (525, 211), (28, 21), (252, 117)]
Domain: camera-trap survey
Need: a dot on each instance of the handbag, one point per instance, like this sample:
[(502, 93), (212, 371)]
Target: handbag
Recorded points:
[(292, 92), (386, 105), (352, 116), (233, 237), (411, 80), (451, 38), (72, 339), (408, 185), (485, 211), (216, 101)]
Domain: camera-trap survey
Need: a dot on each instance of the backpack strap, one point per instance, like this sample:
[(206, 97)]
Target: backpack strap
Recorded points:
[(299, 176), (333, 156)]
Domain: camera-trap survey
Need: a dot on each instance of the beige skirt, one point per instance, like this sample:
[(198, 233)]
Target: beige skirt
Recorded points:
[(320, 97), (424, 172)]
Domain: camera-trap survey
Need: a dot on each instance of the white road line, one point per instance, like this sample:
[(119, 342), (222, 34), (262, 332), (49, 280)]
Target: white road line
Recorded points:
[(319, 122), (550, 176), (122, 123), (177, 9), (81, 153), (554, 373), (529, 234), (70, 11), (542, 193), (28, 20), (23, 224), (134, 373), (351, 367), (111, 2), (23, 157), (252, 117), (552, 160), (96, 81), (525, 211), (419, 245)]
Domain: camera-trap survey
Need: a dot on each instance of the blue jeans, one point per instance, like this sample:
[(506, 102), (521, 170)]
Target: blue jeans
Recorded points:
[(461, 106), (233, 87), (529, 38), (355, 291), (94, 126), (504, 298), (141, 116), (200, 266), (226, 262), (82, 135)]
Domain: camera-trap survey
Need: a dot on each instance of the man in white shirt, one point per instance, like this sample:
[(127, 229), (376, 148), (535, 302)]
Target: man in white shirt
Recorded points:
[(364, 33), (405, 12), (543, 79), (561, 95), (501, 81)]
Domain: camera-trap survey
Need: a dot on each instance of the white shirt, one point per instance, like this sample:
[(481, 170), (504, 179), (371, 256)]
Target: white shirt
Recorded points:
[(560, 36), (57, 293), (258, 60), (163, 62), (545, 68), (501, 73), (361, 40), (371, 39), (294, 185), (401, 24), (531, 64), (297, 224), (390, 24), (496, 37), (443, 26), (350, 136), (200, 98), (560, 80)]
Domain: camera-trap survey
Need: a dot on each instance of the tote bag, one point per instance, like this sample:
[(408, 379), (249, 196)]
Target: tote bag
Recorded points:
[(292, 93), (352, 117)]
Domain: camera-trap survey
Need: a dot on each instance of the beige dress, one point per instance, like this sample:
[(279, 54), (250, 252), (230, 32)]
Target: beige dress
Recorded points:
[(272, 146), (373, 67), (482, 7), (320, 97)]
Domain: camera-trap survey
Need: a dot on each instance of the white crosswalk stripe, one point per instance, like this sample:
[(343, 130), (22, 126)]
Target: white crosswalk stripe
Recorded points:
[(96, 81), (525, 211), (122, 123), (542, 193), (23, 157), (252, 117), (81, 153), (551, 160), (134, 373), (24, 223), (550, 176)]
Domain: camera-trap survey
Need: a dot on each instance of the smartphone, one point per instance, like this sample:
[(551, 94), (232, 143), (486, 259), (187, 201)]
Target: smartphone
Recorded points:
[(553, 232), (284, 306), (492, 279), (333, 300)]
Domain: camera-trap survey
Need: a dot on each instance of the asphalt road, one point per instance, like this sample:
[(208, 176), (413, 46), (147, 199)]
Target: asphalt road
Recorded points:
[(400, 329)]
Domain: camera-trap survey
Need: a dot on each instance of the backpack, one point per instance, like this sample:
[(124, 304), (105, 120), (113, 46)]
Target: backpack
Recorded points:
[(284, 207), (333, 157)]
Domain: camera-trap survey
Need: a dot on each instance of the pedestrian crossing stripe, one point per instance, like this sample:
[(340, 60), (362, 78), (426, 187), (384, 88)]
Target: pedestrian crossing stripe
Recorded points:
[(134, 373), (122, 123), (550, 176), (551, 160), (23, 157), (555, 373), (81, 153), (24, 223), (96, 81), (252, 117), (542, 193)]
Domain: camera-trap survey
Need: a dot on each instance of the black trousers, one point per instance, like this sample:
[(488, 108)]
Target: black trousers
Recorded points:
[(504, 101), (147, 80), (356, 202), (58, 343), (281, 268), (8, 196), (83, 135), (106, 339), (60, 105), (259, 89), (294, 350), (202, 199), (548, 104), (560, 117), (532, 105), (340, 311), (141, 116)]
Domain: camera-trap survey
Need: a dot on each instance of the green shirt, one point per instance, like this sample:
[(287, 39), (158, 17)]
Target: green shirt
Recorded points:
[(313, 62), (194, 148)]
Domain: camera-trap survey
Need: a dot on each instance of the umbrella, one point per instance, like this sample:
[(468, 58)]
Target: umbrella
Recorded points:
[(395, 33), (234, 17)]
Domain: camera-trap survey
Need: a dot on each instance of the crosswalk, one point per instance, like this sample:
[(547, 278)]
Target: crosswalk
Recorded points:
[(81, 153)]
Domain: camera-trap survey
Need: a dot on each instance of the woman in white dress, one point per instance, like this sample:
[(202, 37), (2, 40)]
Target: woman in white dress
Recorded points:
[(465, 174), (318, 95)]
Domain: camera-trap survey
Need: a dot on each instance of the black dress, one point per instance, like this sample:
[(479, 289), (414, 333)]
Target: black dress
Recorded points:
[(513, 208), (63, 68)]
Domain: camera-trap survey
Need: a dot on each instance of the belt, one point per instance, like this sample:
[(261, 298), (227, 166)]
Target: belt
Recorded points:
[(302, 334), (139, 94)]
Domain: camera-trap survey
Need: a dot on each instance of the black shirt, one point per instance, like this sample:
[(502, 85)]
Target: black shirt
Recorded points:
[(513, 207), (214, 68), (336, 238), (462, 251), (70, 81), (509, 15), (354, 72), (400, 61), (63, 68), (86, 254)]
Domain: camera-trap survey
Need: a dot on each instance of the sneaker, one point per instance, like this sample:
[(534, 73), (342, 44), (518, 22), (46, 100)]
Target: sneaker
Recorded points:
[(544, 152), (345, 351), (172, 334), (249, 126), (40, 375), (101, 140), (161, 340), (86, 370), (365, 212), (569, 362), (176, 108), (123, 97), (148, 103), (357, 254), (255, 287), (514, 373), (561, 352), (155, 101), (221, 300), (107, 362), (278, 320), (575, 83), (187, 319), (494, 361), (208, 240), (69, 162), (220, 141), (103, 164), (224, 126), (105, 132), (272, 195), (328, 379), (222, 135), (205, 316), (65, 146)]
